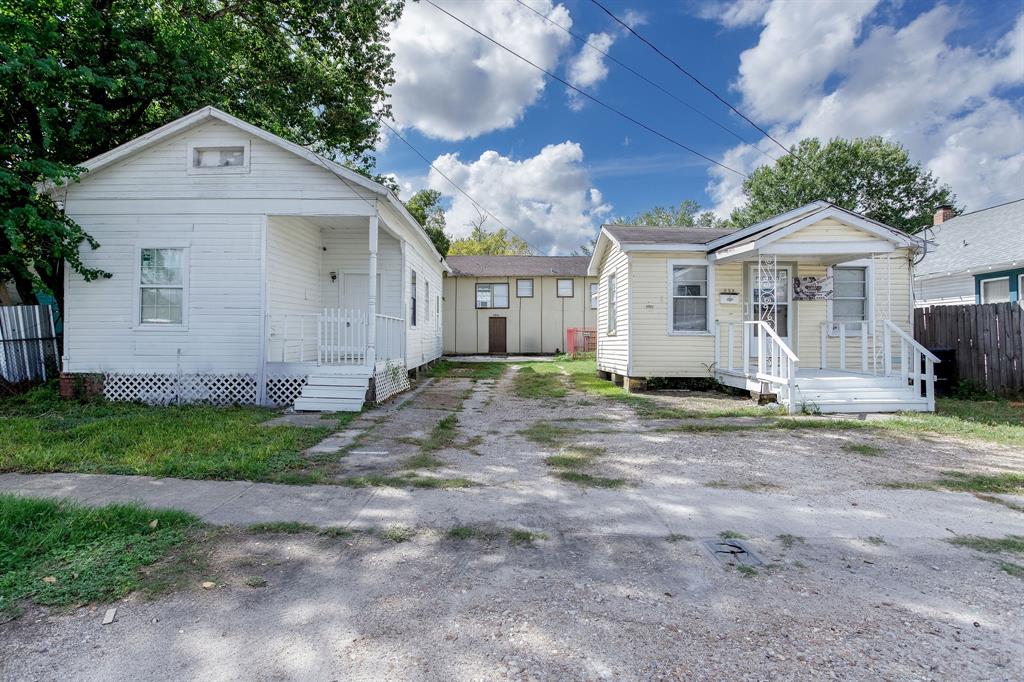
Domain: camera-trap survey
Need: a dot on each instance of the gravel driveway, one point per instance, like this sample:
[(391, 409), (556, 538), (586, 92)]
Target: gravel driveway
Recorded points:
[(584, 602)]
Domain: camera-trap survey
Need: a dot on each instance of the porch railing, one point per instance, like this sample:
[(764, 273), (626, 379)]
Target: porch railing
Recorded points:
[(840, 339), (342, 337), (775, 362), (390, 337), (911, 354), (292, 337)]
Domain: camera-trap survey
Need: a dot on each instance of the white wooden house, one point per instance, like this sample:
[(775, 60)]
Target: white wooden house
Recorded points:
[(246, 269), (813, 306)]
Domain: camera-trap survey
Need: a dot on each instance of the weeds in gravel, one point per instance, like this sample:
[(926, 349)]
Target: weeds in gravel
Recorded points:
[(746, 571), (546, 433), (528, 383), (876, 540), (998, 500), (678, 537), (398, 533), (788, 540), (255, 581), (589, 481), (58, 553), (442, 436), (1016, 570), (519, 536), (423, 460), (1011, 544), (749, 486), (863, 449), (404, 481), (982, 483), (283, 527), (446, 369), (732, 535)]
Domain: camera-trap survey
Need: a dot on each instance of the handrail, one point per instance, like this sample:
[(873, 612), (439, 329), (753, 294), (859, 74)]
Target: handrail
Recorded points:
[(776, 361), (771, 332), (911, 340)]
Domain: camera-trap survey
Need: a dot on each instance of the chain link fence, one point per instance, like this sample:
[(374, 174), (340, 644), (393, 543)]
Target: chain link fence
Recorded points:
[(29, 347)]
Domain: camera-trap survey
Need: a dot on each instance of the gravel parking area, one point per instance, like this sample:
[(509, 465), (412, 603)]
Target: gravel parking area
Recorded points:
[(582, 595)]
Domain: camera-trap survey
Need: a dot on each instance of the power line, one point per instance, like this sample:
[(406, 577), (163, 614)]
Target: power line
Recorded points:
[(480, 207), (690, 75), (647, 80), (587, 94)]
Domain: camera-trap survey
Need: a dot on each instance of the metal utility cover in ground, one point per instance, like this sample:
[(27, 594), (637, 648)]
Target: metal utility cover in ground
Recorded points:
[(732, 552)]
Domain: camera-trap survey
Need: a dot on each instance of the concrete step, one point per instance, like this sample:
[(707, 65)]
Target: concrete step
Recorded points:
[(328, 405), (334, 392), (338, 380)]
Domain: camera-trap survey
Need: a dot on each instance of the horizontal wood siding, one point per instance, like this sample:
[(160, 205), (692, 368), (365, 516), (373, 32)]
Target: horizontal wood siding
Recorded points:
[(293, 284), (827, 230), (346, 250), (613, 350), (534, 324)]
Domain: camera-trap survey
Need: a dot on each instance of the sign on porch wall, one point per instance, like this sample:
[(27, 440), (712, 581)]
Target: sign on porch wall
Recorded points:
[(812, 288)]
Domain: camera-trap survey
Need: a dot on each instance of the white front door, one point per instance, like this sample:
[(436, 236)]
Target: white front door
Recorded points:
[(760, 293)]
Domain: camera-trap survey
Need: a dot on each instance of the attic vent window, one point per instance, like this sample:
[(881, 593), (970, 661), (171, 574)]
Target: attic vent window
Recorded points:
[(212, 160)]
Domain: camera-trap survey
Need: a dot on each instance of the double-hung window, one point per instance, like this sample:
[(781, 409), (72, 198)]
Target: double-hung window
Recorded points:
[(613, 306), (850, 297), (995, 290), (593, 295), (492, 295), (689, 293), (524, 288), (162, 281), (565, 289), (412, 301)]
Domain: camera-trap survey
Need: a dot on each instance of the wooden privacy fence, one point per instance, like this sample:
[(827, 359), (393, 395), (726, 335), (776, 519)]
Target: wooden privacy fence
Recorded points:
[(988, 340), (29, 348)]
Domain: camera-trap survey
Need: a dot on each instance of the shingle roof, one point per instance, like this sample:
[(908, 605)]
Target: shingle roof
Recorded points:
[(537, 266), (991, 236), (628, 234)]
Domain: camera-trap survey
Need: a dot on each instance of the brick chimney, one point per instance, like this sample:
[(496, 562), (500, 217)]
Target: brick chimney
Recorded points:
[(942, 214)]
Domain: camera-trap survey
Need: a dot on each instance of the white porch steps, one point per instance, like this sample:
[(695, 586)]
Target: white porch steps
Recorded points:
[(850, 394), (330, 392)]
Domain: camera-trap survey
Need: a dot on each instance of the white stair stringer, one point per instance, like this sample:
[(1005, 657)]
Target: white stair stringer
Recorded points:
[(333, 393)]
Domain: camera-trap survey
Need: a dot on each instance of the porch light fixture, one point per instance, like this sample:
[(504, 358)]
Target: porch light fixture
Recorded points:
[(334, 277)]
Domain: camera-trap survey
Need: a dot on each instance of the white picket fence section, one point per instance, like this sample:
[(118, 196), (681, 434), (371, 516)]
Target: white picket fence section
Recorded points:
[(342, 339), (29, 349), (390, 338)]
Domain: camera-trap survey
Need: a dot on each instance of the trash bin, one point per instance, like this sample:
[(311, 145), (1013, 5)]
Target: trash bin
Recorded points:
[(945, 370)]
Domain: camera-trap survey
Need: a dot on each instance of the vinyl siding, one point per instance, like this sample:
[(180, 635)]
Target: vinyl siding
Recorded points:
[(293, 285), (613, 350), (947, 290), (534, 324), (827, 230)]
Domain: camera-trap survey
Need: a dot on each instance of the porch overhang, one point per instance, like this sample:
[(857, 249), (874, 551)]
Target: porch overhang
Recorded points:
[(824, 252)]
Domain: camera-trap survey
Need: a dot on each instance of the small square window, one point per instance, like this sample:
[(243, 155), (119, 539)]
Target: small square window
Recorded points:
[(524, 288), (565, 289), (218, 159)]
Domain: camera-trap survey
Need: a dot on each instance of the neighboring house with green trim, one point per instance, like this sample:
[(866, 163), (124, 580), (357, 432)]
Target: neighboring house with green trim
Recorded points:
[(973, 258)]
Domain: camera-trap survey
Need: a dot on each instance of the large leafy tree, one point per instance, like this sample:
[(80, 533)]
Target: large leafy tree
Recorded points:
[(687, 214), (79, 77), (867, 175), (425, 207), (483, 242)]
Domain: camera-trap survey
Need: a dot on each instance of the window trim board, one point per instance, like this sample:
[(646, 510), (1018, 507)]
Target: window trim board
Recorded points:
[(245, 144), (508, 301), (869, 297), (670, 327), (571, 280), (137, 323)]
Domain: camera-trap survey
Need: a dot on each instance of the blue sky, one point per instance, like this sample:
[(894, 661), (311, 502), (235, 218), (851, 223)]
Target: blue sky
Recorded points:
[(946, 80)]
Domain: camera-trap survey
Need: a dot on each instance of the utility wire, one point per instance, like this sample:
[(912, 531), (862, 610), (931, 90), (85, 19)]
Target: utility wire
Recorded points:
[(587, 94), (690, 75), (479, 207), (648, 80)]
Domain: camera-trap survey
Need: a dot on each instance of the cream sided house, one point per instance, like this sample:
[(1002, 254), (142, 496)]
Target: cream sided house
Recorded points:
[(246, 269), (973, 258), (813, 306), (516, 304)]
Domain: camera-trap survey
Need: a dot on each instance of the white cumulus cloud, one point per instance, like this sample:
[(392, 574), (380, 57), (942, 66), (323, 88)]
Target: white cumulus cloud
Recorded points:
[(547, 199), (587, 68), (830, 74), (453, 84)]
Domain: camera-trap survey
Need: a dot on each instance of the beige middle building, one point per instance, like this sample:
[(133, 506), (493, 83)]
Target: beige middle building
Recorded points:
[(516, 304)]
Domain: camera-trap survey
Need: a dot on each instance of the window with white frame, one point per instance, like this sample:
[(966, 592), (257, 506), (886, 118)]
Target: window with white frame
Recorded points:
[(162, 275), (613, 305), (412, 300), (689, 293), (593, 295), (217, 159), (524, 288), (565, 288), (995, 290), (850, 296), (492, 295)]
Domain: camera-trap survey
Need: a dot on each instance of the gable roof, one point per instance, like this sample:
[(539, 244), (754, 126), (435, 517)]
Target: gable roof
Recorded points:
[(754, 236), (630, 234), (990, 237), (502, 266), (210, 113)]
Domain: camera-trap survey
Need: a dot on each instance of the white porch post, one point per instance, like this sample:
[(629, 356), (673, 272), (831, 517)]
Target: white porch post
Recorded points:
[(371, 305)]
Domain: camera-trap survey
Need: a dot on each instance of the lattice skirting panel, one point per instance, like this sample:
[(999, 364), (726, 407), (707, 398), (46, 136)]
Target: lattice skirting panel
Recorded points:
[(167, 389), (283, 389), (390, 378)]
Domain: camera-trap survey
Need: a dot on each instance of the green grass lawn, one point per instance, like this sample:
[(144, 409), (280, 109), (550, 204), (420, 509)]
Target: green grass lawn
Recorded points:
[(58, 554), (449, 369), (39, 432), (994, 421)]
